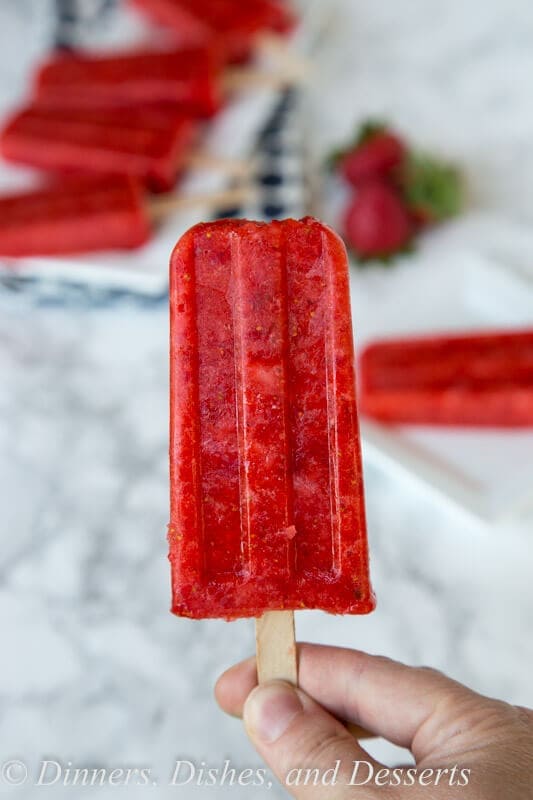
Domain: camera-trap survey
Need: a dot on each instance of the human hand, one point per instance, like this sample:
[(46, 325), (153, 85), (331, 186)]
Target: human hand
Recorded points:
[(465, 745)]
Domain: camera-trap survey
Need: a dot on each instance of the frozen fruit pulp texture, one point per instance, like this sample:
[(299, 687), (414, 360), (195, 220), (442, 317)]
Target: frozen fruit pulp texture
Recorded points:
[(267, 507)]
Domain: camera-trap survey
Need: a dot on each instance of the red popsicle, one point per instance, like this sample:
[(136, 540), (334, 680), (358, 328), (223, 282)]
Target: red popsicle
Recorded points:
[(78, 216), (148, 143), (234, 25), (83, 215), (483, 380), (185, 77), (267, 508)]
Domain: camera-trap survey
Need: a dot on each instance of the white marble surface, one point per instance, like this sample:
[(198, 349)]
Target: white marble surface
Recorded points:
[(93, 669)]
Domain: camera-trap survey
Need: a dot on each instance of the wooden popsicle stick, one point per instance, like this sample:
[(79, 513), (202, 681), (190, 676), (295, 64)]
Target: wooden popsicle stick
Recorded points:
[(238, 78), (277, 657), (276, 48), (358, 732), (289, 68), (234, 167), (160, 207), (276, 647)]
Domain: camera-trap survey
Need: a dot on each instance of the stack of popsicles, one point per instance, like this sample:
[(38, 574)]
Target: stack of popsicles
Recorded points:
[(131, 120)]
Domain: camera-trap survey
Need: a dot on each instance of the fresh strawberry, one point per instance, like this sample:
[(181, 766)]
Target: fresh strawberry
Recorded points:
[(376, 153), (399, 191), (374, 159), (377, 223)]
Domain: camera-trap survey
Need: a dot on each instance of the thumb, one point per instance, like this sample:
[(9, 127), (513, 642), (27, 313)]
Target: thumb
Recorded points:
[(310, 752)]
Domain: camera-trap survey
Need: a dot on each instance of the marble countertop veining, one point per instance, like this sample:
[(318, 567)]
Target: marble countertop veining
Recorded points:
[(94, 670)]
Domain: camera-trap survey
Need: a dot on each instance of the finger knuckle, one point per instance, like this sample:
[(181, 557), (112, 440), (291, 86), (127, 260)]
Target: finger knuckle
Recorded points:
[(325, 751)]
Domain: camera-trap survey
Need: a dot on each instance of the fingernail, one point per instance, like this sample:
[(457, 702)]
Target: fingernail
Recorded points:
[(270, 709)]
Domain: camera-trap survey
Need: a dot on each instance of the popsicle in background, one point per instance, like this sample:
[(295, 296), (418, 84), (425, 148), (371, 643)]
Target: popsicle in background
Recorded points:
[(87, 215), (189, 77), (77, 216), (233, 24), (267, 507), (193, 78), (479, 380), (150, 143)]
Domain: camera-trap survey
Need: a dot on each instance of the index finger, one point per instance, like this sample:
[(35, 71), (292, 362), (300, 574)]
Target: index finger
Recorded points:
[(392, 700)]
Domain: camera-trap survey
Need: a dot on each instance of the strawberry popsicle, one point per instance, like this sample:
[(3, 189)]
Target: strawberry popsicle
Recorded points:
[(185, 77), (267, 508), (483, 380), (88, 214), (78, 216), (148, 143), (231, 24)]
